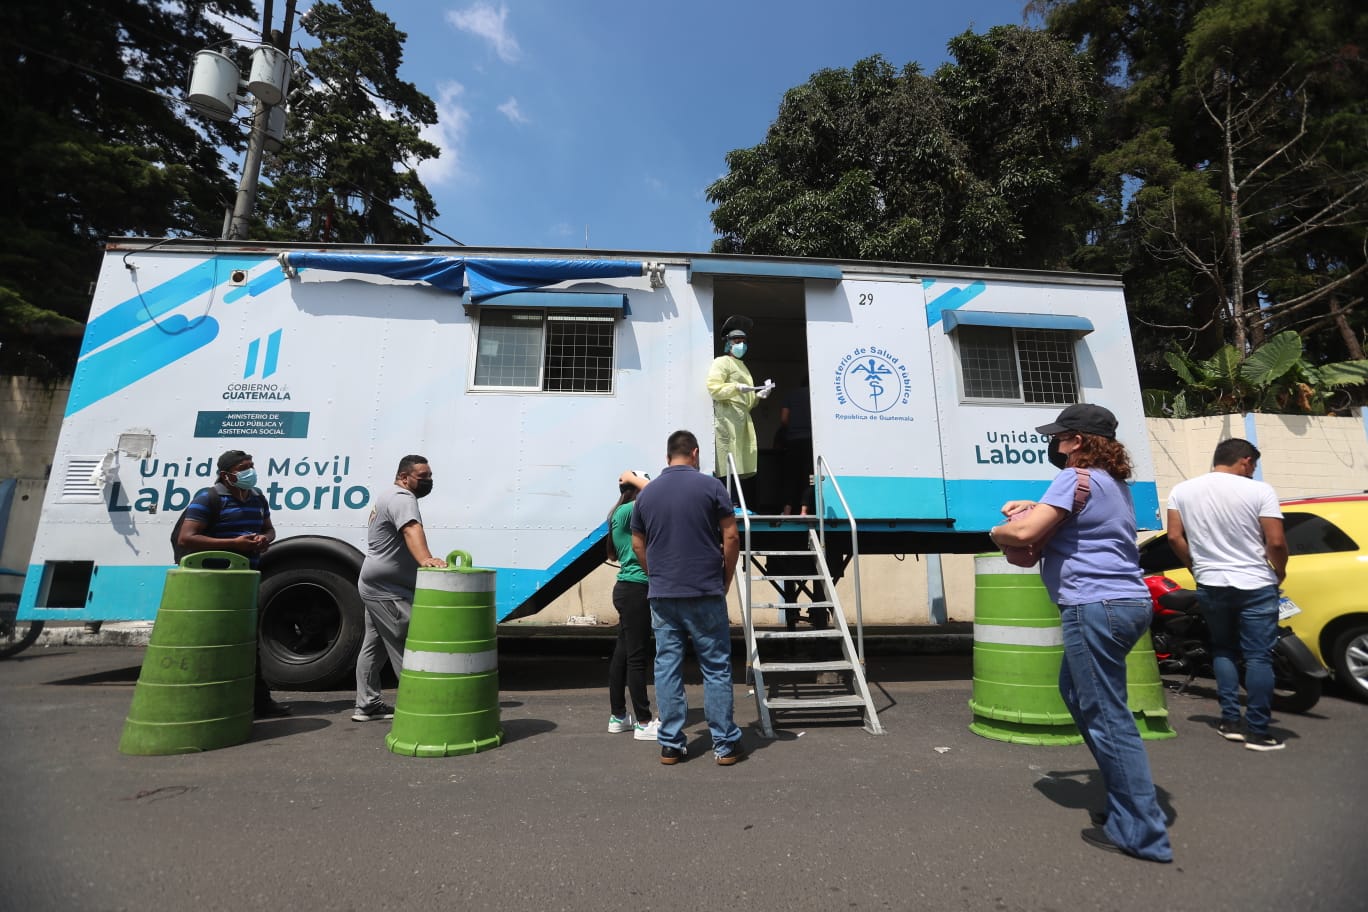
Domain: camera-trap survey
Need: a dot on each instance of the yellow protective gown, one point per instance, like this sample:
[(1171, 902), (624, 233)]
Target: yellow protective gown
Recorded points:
[(732, 425)]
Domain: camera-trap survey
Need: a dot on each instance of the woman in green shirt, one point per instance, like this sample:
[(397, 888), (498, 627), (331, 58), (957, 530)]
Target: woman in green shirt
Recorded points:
[(627, 670)]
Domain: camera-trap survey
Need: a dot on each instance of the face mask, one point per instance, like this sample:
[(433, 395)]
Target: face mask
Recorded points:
[(423, 488), (245, 479), (738, 349), (1057, 459)]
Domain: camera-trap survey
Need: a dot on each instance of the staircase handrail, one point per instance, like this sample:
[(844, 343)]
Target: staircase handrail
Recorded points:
[(824, 472)]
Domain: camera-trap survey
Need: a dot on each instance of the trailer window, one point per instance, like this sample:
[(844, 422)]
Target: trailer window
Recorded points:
[(545, 350), (1018, 365)]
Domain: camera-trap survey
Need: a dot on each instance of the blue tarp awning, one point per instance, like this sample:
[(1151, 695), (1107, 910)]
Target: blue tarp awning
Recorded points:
[(795, 269), (1067, 323), (482, 277)]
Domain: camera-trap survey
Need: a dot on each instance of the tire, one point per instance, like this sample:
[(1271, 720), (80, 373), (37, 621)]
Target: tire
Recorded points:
[(1349, 657), (310, 629), (15, 636)]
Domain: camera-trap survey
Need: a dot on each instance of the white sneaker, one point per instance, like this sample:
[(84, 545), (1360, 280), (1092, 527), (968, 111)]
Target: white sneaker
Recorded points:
[(646, 732), (617, 726)]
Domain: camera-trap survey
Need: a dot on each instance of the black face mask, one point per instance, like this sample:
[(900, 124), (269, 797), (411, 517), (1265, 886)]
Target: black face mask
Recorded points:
[(423, 488), (1057, 459)]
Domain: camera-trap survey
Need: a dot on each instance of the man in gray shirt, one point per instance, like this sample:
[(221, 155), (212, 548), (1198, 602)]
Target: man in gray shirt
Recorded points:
[(396, 547)]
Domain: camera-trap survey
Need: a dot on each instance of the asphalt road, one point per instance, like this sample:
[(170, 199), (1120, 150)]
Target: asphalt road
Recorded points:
[(315, 813)]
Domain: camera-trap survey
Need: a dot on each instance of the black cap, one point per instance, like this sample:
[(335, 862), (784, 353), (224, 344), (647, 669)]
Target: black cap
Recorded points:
[(1083, 418), (232, 458)]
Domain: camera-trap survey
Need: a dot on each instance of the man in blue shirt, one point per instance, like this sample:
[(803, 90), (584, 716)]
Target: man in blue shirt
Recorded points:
[(676, 525), (233, 515)]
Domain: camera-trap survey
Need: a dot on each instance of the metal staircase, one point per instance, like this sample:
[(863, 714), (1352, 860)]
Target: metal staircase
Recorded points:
[(815, 686)]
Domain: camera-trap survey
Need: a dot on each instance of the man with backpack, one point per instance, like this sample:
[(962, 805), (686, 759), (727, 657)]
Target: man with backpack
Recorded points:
[(232, 515)]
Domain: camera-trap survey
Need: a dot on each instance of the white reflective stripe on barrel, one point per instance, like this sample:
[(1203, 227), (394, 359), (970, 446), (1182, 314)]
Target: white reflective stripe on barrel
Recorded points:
[(440, 581), (999, 635), (996, 565), (452, 662)]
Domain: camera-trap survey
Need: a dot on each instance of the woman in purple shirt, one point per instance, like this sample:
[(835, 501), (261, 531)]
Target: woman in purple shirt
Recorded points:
[(1091, 569)]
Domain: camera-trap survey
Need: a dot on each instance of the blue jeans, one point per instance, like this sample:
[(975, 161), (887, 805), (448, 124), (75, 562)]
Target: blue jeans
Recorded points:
[(1242, 621), (1092, 681), (704, 621)]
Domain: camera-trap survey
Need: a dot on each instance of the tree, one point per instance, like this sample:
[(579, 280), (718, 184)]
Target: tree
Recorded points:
[(94, 147), (977, 164), (1238, 146), (354, 139), (1276, 377)]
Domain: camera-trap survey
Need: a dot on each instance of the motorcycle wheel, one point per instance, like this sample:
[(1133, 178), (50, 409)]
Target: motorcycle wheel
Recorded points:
[(15, 636), (1293, 692)]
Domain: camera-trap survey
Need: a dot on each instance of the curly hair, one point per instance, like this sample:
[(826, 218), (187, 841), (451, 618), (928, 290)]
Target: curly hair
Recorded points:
[(1096, 452)]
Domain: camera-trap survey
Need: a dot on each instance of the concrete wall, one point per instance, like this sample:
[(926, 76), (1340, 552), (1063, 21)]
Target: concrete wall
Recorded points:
[(30, 419), (1301, 456)]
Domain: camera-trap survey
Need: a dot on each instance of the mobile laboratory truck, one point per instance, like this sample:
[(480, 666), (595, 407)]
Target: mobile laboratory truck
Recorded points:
[(531, 379)]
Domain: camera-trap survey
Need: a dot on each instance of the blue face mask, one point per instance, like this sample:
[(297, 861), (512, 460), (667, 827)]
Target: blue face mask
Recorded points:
[(245, 479), (738, 349)]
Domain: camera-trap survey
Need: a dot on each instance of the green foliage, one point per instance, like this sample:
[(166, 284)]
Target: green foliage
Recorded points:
[(978, 164), (92, 149), (1239, 133), (353, 140), (1276, 377)]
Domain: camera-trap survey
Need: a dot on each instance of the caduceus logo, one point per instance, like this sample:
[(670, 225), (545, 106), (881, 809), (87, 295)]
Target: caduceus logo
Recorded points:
[(870, 383)]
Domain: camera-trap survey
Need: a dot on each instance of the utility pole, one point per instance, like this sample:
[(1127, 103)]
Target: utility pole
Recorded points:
[(236, 229)]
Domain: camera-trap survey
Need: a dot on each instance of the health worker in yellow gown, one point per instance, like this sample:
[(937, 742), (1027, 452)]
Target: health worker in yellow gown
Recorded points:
[(734, 395)]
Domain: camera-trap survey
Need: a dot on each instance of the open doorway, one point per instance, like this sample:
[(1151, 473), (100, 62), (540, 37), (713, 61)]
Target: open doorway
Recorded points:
[(777, 343)]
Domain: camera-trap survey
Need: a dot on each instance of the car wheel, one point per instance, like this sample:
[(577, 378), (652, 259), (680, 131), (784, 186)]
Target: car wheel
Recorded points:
[(311, 626), (1349, 656)]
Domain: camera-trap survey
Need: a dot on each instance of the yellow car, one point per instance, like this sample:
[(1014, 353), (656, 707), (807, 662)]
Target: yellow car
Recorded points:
[(1327, 578)]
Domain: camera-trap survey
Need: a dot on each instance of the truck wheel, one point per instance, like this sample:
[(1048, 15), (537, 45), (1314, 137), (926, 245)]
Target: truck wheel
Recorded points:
[(311, 626), (1349, 656)]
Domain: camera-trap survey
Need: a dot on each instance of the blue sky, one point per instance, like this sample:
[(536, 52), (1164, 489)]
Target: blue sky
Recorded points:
[(559, 116)]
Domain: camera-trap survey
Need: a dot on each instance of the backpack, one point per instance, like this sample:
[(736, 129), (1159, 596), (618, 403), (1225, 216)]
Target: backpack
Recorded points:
[(213, 504), (1029, 555)]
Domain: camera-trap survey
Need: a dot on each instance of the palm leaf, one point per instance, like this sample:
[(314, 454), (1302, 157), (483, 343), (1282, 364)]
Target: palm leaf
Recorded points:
[(1343, 373), (1224, 367), (1272, 360)]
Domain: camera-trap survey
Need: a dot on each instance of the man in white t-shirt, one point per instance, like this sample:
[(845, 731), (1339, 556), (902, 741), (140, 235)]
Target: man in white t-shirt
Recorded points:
[(1228, 529)]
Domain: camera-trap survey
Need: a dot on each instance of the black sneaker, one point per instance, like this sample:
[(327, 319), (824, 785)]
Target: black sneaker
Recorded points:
[(735, 754), (1098, 838), (1097, 818), (1263, 742), (378, 714), (672, 755), (1230, 730)]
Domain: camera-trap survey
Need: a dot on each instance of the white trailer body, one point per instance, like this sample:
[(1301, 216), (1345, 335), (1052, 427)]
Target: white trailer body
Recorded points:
[(530, 379)]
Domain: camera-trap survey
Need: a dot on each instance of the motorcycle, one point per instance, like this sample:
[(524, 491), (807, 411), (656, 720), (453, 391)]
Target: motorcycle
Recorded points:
[(1182, 644)]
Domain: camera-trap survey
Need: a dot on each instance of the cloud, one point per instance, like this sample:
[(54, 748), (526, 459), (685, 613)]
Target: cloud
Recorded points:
[(483, 21), (447, 134), (511, 110)]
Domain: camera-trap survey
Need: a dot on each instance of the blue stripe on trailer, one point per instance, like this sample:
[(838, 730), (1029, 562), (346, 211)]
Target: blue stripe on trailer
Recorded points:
[(118, 592)]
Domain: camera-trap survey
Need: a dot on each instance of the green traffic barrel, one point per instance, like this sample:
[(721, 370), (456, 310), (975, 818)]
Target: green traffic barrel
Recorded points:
[(448, 698), (195, 690), (1018, 650)]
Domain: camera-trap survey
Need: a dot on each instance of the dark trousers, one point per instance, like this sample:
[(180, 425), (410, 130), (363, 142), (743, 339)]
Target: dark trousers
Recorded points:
[(632, 654), (262, 693)]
